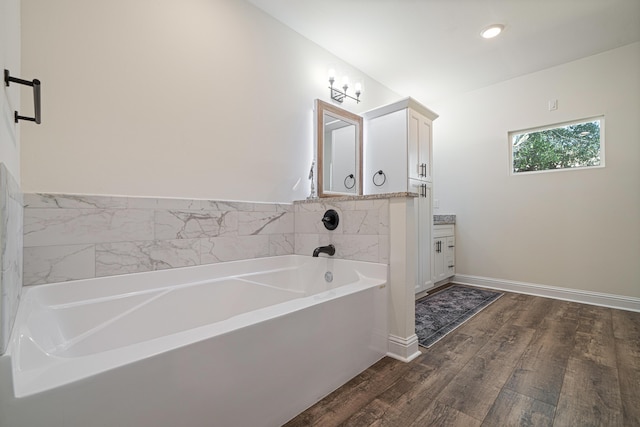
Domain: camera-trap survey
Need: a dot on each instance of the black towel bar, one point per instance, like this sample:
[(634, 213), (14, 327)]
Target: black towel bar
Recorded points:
[(35, 84)]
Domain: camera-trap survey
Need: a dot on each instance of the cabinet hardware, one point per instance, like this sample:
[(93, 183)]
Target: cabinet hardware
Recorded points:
[(423, 170), (423, 190), (450, 246), (452, 265)]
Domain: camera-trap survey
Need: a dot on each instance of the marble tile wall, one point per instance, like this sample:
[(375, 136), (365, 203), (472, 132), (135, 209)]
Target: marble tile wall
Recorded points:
[(69, 237), (11, 234), (362, 234)]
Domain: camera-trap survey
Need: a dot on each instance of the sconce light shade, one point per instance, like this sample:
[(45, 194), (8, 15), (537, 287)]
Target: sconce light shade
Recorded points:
[(358, 88)]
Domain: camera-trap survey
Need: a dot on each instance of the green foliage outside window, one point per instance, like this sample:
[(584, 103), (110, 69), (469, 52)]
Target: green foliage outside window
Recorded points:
[(571, 146)]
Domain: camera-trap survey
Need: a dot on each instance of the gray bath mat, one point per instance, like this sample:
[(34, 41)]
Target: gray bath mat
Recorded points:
[(444, 311)]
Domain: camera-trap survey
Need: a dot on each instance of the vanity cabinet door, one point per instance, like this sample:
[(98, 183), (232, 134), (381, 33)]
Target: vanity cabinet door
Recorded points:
[(439, 269), (386, 151), (444, 243), (422, 205), (450, 256), (419, 146)]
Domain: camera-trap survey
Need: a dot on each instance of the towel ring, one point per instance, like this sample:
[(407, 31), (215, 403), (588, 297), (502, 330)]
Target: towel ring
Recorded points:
[(384, 178), (350, 176)]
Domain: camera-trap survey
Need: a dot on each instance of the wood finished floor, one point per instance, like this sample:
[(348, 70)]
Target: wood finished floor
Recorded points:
[(522, 361)]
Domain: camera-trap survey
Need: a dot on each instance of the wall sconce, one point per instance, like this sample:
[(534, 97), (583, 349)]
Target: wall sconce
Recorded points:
[(340, 95)]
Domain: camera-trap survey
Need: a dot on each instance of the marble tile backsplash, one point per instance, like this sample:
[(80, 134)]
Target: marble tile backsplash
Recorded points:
[(69, 237), (362, 233), (11, 234)]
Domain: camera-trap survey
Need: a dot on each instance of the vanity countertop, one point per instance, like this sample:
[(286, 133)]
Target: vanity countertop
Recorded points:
[(444, 219), (365, 197)]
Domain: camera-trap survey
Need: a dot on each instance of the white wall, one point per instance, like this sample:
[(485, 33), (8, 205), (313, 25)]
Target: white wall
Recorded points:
[(575, 229), (10, 98), (10, 195), (199, 99)]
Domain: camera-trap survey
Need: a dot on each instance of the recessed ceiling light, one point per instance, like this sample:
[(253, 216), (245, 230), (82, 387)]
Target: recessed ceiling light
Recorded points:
[(491, 31)]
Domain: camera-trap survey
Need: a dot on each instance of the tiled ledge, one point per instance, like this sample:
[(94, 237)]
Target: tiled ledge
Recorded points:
[(444, 219), (90, 201), (365, 197)]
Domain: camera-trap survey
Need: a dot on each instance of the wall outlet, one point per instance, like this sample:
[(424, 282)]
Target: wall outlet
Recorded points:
[(436, 204)]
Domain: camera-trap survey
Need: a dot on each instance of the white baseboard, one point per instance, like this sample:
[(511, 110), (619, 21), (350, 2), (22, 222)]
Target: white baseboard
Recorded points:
[(566, 294), (403, 349)]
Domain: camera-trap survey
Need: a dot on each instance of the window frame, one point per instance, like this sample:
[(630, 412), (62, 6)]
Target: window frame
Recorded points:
[(511, 134)]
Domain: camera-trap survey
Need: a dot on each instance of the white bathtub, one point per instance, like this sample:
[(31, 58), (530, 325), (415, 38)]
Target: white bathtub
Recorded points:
[(245, 343)]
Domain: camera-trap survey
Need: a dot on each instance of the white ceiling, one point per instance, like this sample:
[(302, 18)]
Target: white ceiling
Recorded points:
[(432, 49)]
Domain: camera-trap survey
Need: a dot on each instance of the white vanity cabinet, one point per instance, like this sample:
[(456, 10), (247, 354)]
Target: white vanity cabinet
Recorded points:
[(398, 158), (444, 252), (398, 143)]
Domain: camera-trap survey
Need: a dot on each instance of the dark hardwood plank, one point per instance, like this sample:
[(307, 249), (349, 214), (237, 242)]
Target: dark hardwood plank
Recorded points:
[(489, 320), (539, 372), (469, 397), (475, 388), (564, 310), (628, 357), (348, 399), (368, 416), (438, 414), (538, 379), (590, 396), (626, 324), (514, 409), (430, 413), (407, 397), (594, 336), (533, 312), (626, 330)]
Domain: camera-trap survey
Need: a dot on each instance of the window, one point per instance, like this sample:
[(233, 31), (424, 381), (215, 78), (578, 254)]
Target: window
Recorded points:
[(570, 145)]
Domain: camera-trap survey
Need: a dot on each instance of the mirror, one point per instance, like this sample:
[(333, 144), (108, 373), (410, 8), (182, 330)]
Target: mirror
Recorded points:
[(339, 151)]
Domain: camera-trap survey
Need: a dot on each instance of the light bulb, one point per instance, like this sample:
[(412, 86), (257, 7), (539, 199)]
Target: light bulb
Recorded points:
[(492, 31)]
